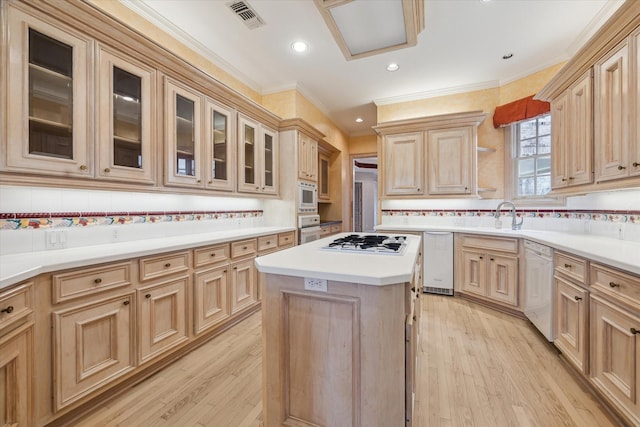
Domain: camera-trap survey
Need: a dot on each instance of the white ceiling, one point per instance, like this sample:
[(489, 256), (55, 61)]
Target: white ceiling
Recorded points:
[(459, 50)]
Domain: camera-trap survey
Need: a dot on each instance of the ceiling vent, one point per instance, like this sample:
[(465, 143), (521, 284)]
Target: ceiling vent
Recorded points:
[(246, 13)]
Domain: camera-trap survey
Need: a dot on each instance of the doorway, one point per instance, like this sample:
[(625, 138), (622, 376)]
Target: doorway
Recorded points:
[(365, 193)]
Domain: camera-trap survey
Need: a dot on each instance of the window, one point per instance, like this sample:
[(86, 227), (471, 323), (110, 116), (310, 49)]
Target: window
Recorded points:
[(528, 172), (532, 157)]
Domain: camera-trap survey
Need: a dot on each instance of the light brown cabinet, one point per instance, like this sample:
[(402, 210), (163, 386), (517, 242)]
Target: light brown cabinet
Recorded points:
[(211, 297), (571, 304), (163, 317), (125, 118), (403, 162), (93, 344), (307, 158), (244, 291), (572, 135), (47, 125), (487, 267), (451, 160), (257, 157), (324, 189)]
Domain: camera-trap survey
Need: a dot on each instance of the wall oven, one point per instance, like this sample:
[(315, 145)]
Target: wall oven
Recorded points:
[(307, 198), (308, 228)]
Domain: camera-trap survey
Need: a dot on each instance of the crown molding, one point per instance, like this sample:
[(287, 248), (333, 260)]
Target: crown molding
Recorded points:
[(437, 93)]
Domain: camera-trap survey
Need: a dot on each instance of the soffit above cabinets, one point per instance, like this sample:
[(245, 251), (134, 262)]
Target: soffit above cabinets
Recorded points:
[(363, 27)]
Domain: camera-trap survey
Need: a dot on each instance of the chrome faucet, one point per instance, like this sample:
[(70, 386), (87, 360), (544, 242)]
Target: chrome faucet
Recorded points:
[(514, 225)]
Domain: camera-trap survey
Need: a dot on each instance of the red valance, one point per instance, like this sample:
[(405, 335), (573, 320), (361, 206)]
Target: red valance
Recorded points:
[(521, 109)]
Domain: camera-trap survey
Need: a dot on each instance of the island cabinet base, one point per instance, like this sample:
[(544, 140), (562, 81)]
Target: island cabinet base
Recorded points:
[(333, 358)]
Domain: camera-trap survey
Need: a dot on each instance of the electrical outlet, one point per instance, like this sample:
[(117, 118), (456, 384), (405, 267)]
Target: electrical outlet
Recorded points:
[(55, 239), (319, 285), (115, 234)]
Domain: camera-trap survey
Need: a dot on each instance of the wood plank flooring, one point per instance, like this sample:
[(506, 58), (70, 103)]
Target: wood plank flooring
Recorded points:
[(477, 367)]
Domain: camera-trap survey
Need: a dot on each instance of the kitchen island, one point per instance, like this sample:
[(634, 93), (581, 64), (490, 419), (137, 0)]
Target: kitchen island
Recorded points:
[(338, 335)]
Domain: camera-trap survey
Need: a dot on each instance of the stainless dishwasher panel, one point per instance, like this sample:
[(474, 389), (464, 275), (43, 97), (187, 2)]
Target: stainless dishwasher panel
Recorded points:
[(538, 295), (438, 262)]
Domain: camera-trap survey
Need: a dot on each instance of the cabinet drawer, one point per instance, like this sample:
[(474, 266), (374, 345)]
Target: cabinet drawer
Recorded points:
[(336, 228), (243, 248), (163, 265), (325, 230), (624, 287), (16, 303), (494, 243), (211, 255), (285, 239), (266, 243), (87, 281), (571, 266)]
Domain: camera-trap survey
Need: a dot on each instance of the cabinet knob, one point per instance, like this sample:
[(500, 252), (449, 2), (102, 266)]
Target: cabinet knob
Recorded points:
[(257, 188), (564, 179), (97, 281), (198, 181), (571, 177), (466, 188), (213, 254), (107, 170), (209, 182), (268, 242), (418, 189), (621, 167), (7, 310), (567, 266), (577, 298), (167, 265), (415, 318), (147, 296), (614, 284), (481, 257), (244, 248), (636, 164), (127, 302), (491, 259), (635, 331)]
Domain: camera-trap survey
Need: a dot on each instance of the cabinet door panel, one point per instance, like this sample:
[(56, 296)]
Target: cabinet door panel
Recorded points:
[(474, 272), (162, 317), (634, 150), (559, 141), (16, 378), (449, 160), (125, 118), (616, 355), (93, 345), (243, 285), (580, 150), (269, 158), (248, 178), (403, 164), (612, 115), (211, 300), (570, 328), (503, 278), (220, 123), (47, 124)]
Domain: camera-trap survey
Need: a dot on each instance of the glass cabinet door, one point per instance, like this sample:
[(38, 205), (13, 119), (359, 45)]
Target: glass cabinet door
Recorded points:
[(323, 184), (47, 128), (270, 164), (124, 119), (247, 155), (183, 123), (219, 125)]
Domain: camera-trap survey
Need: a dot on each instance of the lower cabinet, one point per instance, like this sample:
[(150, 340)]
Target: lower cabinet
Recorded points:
[(570, 322), (162, 317), (488, 268), (93, 345), (244, 291), (16, 377), (210, 298)]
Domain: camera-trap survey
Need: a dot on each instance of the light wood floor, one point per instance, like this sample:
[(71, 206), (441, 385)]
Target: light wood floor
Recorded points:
[(477, 367)]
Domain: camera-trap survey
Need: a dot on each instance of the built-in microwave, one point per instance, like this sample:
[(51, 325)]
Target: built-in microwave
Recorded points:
[(307, 197)]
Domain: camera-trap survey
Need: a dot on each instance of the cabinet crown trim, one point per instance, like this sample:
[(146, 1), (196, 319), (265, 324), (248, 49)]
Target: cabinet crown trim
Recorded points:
[(469, 118), (302, 126)]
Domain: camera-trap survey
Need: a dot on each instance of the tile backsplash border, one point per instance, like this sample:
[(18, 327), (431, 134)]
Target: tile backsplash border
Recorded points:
[(619, 216), (38, 220)]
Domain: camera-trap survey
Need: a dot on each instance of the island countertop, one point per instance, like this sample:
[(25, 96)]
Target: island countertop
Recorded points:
[(310, 260)]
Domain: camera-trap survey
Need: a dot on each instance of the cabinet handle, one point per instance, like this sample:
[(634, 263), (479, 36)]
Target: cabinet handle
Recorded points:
[(224, 271), (413, 289), (564, 179), (257, 188), (126, 302), (567, 266), (235, 268), (268, 242), (418, 295), (620, 168), (577, 298), (415, 318), (147, 296), (213, 254), (636, 164), (635, 331), (614, 285), (107, 170), (97, 281), (198, 181), (167, 265), (7, 310), (244, 248), (83, 167), (418, 189), (571, 177)]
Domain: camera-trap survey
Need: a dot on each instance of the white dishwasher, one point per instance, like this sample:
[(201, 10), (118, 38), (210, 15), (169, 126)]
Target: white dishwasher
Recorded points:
[(538, 278), (437, 255)]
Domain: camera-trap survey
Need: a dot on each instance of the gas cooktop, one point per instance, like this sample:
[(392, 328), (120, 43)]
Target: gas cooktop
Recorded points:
[(369, 243)]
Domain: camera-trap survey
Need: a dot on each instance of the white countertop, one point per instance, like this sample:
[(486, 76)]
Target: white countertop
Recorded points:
[(622, 254), (18, 267), (309, 260)]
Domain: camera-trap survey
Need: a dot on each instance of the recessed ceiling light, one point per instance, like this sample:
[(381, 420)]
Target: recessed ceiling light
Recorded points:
[(507, 56), (359, 120), (393, 67), (299, 46)]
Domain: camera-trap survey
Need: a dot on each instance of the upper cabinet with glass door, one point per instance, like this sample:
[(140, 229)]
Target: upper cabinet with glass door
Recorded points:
[(48, 69), (257, 157), (125, 119), (183, 110), (219, 147)]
